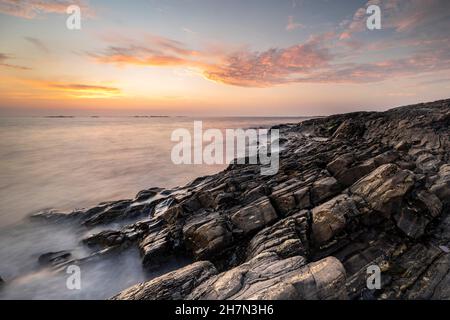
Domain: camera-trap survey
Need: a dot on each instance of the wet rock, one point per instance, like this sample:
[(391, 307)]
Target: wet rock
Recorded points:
[(255, 216), (54, 258), (331, 217), (269, 278), (157, 246), (384, 188), (323, 189), (175, 285), (105, 239), (207, 235)]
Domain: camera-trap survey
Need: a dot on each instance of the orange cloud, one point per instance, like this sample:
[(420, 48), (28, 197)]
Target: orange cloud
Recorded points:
[(84, 90)]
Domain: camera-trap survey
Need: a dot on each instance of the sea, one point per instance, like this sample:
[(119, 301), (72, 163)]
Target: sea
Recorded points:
[(68, 163)]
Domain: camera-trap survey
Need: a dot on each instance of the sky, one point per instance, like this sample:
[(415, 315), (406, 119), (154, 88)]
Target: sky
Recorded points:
[(221, 58)]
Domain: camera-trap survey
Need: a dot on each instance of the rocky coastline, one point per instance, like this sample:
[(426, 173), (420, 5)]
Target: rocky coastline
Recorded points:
[(352, 191)]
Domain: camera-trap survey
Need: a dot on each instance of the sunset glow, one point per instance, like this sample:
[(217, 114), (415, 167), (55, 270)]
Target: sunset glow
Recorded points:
[(221, 57)]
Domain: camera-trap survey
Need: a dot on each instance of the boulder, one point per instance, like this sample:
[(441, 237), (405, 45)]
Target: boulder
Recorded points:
[(384, 188), (266, 277), (411, 223), (156, 247), (431, 202), (442, 186), (255, 216), (175, 285), (286, 238), (323, 189), (331, 217), (206, 235)]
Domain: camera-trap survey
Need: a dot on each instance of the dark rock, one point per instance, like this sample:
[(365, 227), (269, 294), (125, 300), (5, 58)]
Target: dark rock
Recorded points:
[(206, 236), (331, 217), (255, 216), (385, 188), (266, 277), (411, 223), (442, 186), (286, 238), (54, 258), (323, 189), (175, 285)]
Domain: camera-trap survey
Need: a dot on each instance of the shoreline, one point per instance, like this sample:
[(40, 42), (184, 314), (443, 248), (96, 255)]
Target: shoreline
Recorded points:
[(353, 190)]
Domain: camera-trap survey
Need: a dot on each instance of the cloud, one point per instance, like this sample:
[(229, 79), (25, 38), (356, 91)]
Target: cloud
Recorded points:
[(152, 50), (400, 16), (271, 67), (82, 90), (3, 62), (30, 9), (38, 44), (291, 25)]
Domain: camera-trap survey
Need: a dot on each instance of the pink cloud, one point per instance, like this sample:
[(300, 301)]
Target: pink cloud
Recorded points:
[(30, 9)]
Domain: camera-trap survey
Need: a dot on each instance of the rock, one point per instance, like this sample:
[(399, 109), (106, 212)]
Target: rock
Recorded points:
[(54, 258), (442, 186), (175, 285), (207, 235), (2, 282), (255, 216), (435, 283), (302, 198), (349, 129), (286, 238), (384, 188), (266, 277), (156, 247), (341, 163), (331, 217), (323, 189), (412, 224), (431, 202), (105, 238)]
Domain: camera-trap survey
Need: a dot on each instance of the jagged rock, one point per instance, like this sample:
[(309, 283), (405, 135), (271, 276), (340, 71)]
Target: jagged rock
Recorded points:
[(349, 129), (175, 285), (384, 188), (303, 198), (411, 223), (54, 258), (331, 217), (255, 216), (286, 238), (323, 189), (341, 163), (105, 238), (156, 247), (434, 283), (442, 186), (207, 235), (431, 202), (268, 277)]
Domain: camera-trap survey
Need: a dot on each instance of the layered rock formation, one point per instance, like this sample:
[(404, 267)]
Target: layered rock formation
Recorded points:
[(353, 191)]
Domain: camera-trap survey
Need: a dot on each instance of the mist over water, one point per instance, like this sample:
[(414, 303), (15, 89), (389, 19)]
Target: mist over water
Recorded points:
[(69, 163)]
